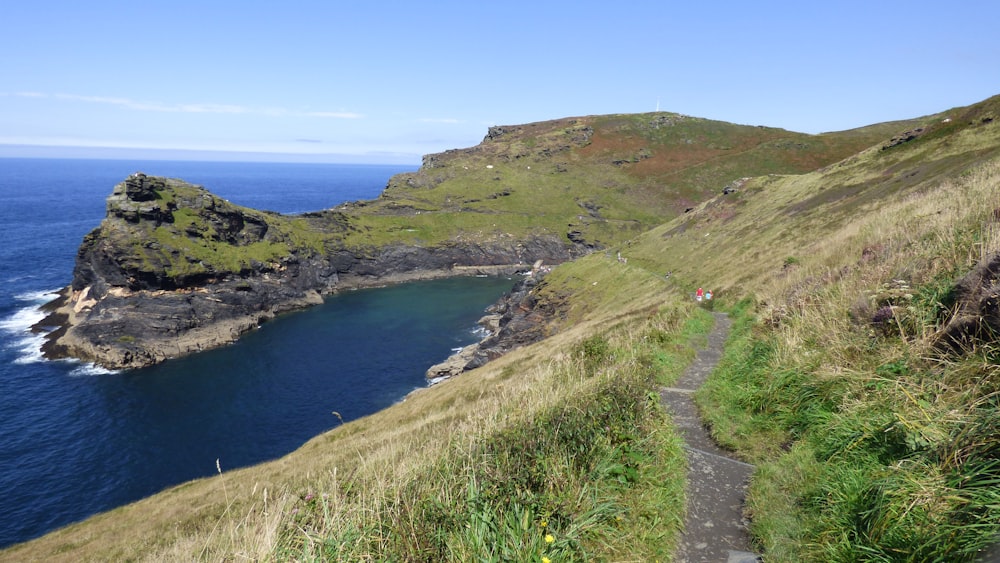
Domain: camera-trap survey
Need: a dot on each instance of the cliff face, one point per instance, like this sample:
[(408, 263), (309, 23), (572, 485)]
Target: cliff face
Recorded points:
[(519, 318), (174, 269)]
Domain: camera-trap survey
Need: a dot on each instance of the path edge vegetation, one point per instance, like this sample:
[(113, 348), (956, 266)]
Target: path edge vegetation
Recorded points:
[(596, 475), (592, 471), (872, 442)]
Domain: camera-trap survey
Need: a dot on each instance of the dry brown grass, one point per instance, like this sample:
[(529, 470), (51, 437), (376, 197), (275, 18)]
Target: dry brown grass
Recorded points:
[(246, 514)]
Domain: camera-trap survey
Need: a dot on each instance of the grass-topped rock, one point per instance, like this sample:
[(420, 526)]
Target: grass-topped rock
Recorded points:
[(167, 234), (174, 269)]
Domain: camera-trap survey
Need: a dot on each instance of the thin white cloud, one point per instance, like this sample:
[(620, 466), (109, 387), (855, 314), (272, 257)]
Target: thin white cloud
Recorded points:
[(334, 114), (448, 120), (190, 108)]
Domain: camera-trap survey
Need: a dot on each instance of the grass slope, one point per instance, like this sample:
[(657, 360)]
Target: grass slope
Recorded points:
[(604, 179), (565, 439), (870, 443), (607, 178)]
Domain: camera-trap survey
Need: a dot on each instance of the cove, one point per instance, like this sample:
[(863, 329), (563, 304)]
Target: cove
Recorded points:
[(112, 438)]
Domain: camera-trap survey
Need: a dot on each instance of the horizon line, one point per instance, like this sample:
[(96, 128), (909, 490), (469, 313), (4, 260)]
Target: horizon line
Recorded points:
[(207, 155)]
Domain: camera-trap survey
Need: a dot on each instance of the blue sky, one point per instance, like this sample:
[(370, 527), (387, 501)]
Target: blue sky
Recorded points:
[(371, 81)]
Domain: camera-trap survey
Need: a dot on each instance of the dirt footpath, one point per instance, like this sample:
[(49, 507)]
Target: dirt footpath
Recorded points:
[(714, 528)]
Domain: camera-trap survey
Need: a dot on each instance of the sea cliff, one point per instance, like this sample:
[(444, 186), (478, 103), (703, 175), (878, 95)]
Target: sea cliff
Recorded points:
[(517, 319), (174, 269)]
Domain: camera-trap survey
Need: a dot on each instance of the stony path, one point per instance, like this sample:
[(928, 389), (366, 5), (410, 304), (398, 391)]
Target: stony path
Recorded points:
[(714, 528)]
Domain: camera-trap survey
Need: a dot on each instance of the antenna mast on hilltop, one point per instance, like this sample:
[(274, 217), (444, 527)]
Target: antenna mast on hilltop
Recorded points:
[(657, 104)]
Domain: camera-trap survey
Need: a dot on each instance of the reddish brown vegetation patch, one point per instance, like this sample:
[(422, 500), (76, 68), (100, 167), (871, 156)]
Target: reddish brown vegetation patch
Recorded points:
[(976, 316)]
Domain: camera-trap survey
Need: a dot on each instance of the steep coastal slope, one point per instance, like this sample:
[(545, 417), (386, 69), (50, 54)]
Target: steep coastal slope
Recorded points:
[(862, 379), (174, 269), (854, 381), (595, 180)]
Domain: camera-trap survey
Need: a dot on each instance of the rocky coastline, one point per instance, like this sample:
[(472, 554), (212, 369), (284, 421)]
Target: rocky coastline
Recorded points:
[(517, 319), (173, 269)]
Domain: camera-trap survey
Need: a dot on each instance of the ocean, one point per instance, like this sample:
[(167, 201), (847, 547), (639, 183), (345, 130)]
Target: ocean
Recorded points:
[(76, 440)]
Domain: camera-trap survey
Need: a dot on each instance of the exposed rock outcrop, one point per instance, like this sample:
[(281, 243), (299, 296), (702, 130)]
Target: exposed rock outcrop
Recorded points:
[(517, 319), (904, 137), (975, 305), (174, 269)]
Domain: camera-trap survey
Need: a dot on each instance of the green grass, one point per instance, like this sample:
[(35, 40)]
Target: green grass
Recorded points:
[(197, 240), (598, 477), (538, 180), (871, 444)]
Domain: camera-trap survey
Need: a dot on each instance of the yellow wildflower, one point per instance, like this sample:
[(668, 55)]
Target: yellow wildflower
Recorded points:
[(549, 538)]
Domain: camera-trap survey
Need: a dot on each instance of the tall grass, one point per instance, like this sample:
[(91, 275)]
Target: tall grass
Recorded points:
[(561, 452), (563, 441), (593, 473), (873, 445)]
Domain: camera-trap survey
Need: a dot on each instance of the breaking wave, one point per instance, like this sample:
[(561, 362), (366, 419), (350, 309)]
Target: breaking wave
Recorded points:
[(26, 343)]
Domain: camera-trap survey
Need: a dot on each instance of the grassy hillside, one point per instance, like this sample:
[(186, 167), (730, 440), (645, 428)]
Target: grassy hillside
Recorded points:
[(872, 443), (603, 178), (592, 180), (565, 439)]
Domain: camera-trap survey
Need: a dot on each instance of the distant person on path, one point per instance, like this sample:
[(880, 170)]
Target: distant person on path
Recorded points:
[(708, 295), (698, 295)]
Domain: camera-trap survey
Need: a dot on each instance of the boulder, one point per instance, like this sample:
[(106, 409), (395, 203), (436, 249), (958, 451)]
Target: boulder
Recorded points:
[(975, 309)]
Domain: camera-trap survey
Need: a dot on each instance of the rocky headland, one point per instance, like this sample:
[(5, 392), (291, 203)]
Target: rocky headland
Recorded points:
[(174, 269)]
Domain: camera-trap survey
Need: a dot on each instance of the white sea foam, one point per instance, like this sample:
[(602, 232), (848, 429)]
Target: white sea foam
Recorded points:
[(22, 320), (27, 343), (38, 297), (89, 370), (29, 349)]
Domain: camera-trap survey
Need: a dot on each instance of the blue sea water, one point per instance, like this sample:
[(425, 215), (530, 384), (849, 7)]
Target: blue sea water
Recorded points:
[(76, 440)]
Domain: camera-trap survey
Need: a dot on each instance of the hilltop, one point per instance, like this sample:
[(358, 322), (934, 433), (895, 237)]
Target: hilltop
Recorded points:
[(202, 271), (594, 181), (860, 376)]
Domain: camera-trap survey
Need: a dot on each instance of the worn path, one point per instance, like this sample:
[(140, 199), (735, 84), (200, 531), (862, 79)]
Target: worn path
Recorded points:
[(714, 528)]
